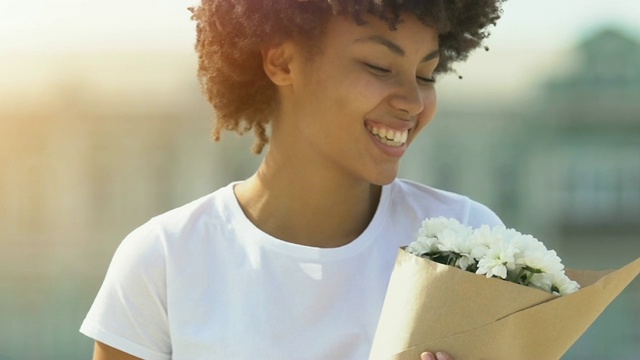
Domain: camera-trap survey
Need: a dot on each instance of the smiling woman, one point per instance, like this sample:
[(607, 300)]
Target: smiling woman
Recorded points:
[(294, 262), (228, 47)]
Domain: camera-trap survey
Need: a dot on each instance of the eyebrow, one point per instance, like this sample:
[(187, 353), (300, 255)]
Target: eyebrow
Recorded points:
[(395, 48)]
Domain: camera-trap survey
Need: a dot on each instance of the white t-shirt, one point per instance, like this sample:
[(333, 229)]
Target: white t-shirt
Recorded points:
[(202, 282)]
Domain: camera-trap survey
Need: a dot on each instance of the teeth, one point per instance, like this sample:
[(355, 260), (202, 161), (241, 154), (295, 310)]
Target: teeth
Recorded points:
[(390, 143), (389, 136)]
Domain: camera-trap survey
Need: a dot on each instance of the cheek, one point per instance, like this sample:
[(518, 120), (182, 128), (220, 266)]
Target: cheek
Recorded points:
[(359, 94), (430, 107), (368, 93)]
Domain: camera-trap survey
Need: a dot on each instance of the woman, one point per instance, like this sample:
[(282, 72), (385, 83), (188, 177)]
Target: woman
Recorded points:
[(293, 263)]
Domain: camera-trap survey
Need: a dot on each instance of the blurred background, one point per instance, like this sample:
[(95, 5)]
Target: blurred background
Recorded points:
[(102, 126)]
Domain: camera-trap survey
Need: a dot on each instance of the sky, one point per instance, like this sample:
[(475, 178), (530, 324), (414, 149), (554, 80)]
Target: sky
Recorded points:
[(530, 38), (70, 25)]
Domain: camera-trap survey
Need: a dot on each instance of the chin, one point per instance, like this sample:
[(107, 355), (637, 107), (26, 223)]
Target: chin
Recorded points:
[(384, 179)]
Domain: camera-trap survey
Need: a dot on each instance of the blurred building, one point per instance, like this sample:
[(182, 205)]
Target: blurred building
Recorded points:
[(584, 161), (85, 159)]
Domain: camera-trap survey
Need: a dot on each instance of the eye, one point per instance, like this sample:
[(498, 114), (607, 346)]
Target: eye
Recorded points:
[(425, 80), (378, 70)]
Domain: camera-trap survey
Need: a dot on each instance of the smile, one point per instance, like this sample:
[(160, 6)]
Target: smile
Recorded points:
[(388, 136)]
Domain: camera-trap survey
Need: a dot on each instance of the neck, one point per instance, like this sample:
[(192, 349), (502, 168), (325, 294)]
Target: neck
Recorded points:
[(307, 207)]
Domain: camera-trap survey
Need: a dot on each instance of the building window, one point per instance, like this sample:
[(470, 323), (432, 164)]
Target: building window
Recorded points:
[(602, 190)]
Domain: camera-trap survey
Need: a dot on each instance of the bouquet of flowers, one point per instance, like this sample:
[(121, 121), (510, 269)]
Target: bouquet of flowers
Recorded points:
[(448, 293), (495, 252)]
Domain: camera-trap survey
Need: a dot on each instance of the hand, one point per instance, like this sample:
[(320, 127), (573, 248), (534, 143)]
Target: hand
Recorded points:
[(436, 356)]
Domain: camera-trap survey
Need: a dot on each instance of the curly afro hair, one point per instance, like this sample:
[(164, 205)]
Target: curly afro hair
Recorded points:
[(232, 33)]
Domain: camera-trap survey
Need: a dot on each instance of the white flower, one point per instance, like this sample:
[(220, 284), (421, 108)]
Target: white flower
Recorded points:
[(461, 244), (555, 282), (481, 239), (464, 262), (496, 252), (423, 245), (452, 241), (527, 243), (440, 235), (562, 285), (541, 281), (497, 261), (543, 261), (504, 235), (432, 227)]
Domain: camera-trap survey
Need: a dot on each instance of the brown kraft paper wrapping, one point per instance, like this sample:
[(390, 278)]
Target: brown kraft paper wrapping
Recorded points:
[(435, 307)]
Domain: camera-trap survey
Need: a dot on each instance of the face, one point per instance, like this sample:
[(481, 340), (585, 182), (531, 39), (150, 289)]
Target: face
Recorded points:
[(353, 109)]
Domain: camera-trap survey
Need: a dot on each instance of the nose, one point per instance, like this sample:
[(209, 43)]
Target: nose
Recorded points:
[(409, 98)]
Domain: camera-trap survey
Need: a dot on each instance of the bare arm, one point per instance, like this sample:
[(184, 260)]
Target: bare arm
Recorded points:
[(105, 352)]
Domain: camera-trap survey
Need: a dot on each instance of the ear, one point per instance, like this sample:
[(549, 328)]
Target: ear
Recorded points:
[(276, 61)]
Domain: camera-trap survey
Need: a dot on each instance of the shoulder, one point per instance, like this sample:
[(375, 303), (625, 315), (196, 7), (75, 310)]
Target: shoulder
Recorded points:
[(427, 201), (206, 209), (177, 227)]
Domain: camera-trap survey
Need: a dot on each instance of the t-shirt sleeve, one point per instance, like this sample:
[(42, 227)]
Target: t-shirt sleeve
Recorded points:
[(479, 214), (130, 310)]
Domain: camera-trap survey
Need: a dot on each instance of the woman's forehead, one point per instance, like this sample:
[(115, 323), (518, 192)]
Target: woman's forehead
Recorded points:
[(409, 33)]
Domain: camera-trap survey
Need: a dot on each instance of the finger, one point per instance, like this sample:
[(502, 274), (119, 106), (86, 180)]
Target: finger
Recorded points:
[(427, 356), (443, 356)]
